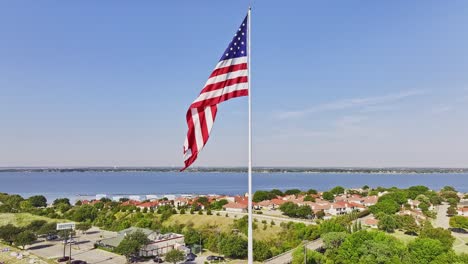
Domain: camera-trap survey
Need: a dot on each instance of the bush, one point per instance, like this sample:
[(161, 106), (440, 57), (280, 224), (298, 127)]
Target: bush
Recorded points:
[(459, 221)]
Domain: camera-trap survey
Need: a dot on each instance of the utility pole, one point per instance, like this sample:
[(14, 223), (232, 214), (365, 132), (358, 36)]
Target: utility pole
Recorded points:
[(70, 241), (305, 252)]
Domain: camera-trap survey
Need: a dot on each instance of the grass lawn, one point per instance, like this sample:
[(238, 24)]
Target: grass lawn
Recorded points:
[(460, 243), (27, 258), (402, 237), (22, 219), (223, 223)]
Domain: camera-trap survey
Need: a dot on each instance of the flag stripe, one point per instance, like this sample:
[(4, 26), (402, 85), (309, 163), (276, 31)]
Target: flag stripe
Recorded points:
[(231, 68), (221, 85), (223, 77)]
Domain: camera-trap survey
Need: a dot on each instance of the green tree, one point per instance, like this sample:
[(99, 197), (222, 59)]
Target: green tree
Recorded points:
[(234, 246), (328, 196), (292, 192), (132, 243), (440, 234), (203, 200), (452, 210), (424, 250), (320, 214), (370, 247), (38, 201), (13, 201), (312, 191), (385, 206), (448, 188), (398, 196), (289, 209), (309, 198), (407, 223), (83, 227), (333, 240), (9, 232), (277, 192), (261, 250), (337, 190), (48, 228), (175, 256), (36, 225), (24, 238), (388, 223), (84, 213), (61, 201), (218, 205), (312, 256), (262, 196)]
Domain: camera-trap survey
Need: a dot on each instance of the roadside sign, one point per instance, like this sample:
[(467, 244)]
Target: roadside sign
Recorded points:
[(65, 226)]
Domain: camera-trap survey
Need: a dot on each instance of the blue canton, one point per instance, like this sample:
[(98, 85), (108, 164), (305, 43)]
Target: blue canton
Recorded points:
[(238, 46)]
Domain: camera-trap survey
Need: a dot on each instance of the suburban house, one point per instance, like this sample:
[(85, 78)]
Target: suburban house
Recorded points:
[(235, 207), (148, 205), (463, 211), (181, 201), (159, 243), (371, 222), (369, 200)]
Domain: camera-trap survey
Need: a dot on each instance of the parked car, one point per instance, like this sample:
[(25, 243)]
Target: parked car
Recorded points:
[(190, 257), (158, 259), (63, 259), (68, 241), (214, 258), (79, 262), (51, 237), (134, 259), (458, 230)]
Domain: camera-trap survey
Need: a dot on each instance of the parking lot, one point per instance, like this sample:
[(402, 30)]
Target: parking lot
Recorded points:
[(82, 249)]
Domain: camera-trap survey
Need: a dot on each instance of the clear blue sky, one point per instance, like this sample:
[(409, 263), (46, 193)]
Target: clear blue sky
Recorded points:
[(335, 83)]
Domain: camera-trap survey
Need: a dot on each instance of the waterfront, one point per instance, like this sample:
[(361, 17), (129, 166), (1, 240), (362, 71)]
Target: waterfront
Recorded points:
[(71, 184)]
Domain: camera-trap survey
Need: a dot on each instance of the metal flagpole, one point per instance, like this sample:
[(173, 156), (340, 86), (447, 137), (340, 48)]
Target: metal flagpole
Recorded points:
[(250, 233)]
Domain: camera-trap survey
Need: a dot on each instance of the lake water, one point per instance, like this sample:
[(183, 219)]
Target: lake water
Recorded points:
[(88, 184)]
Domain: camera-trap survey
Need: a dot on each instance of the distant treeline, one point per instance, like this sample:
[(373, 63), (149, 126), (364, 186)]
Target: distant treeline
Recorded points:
[(241, 169)]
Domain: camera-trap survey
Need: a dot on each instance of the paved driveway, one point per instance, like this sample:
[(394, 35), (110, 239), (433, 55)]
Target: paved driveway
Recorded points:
[(442, 220)]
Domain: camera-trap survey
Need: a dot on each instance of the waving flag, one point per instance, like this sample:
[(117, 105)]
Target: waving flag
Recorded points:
[(228, 80)]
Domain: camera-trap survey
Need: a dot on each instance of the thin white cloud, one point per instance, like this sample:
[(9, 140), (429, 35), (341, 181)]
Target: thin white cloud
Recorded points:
[(442, 109), (351, 103)]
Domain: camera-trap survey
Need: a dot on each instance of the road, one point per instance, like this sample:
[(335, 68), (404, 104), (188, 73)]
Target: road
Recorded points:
[(442, 220), (268, 217), (286, 257)]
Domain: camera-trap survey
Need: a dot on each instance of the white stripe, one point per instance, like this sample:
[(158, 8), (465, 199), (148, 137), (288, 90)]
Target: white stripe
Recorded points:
[(219, 92), (187, 150), (197, 128), (209, 118), (226, 76), (225, 63)]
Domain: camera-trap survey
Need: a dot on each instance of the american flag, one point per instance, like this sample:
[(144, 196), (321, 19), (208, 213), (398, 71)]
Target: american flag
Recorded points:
[(228, 80)]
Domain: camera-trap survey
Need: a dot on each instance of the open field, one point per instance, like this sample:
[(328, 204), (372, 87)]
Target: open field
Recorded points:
[(22, 219), (223, 223), (27, 257)]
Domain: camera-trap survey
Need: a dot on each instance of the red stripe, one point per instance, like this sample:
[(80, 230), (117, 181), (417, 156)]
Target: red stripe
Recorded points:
[(203, 125), (222, 84), (220, 99), (230, 68)]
